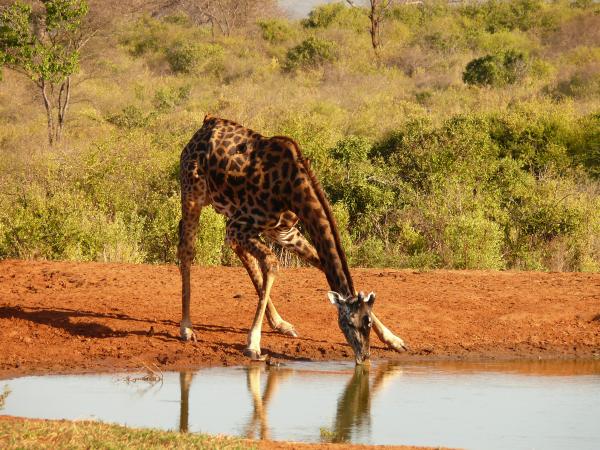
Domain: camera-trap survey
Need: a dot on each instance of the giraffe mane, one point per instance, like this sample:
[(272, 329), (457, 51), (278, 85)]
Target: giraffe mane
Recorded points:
[(326, 207)]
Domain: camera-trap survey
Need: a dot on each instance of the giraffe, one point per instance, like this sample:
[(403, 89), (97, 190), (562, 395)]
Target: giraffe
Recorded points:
[(264, 186)]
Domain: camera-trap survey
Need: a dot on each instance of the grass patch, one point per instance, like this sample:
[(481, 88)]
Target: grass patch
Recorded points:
[(23, 434)]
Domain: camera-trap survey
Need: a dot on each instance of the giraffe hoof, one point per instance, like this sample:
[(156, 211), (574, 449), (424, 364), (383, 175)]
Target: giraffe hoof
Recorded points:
[(254, 355), (398, 345), (287, 330), (187, 334)]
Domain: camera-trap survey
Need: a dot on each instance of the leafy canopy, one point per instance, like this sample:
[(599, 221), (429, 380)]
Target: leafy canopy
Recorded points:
[(45, 46)]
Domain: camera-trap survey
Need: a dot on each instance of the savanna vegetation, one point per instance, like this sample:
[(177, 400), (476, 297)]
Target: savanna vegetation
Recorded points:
[(469, 138), (18, 433)]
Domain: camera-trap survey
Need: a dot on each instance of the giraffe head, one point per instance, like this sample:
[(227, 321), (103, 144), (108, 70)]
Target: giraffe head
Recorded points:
[(354, 319)]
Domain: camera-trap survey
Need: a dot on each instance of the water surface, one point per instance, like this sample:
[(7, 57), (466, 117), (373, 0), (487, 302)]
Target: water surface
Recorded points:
[(471, 405)]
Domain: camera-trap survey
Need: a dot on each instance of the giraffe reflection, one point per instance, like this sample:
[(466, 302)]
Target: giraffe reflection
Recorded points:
[(185, 380), (260, 402), (353, 407)]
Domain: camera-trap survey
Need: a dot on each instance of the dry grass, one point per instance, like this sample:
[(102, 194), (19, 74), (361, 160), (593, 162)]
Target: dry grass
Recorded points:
[(49, 434)]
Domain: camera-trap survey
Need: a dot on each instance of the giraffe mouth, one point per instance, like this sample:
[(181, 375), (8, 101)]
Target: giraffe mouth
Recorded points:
[(362, 359)]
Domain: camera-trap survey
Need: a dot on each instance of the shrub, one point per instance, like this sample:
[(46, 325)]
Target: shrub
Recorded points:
[(210, 247), (310, 53), (584, 147), (537, 141), (338, 14), (352, 149), (147, 37), (498, 15), (496, 70), (65, 225), (275, 30), (166, 99), (131, 117), (186, 57), (583, 83), (472, 242)]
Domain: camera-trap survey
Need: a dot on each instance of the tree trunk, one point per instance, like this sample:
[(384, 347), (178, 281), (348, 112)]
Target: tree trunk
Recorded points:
[(48, 107), (63, 103), (58, 106), (375, 16)]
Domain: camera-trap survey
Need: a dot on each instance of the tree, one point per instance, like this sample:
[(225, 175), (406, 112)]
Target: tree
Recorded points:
[(377, 11), (43, 42), (224, 15)]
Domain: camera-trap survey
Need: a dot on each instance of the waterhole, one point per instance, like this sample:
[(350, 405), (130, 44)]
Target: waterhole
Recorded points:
[(471, 405)]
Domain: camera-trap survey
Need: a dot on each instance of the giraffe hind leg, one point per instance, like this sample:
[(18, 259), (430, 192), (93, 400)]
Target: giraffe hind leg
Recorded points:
[(191, 206), (292, 240), (253, 268)]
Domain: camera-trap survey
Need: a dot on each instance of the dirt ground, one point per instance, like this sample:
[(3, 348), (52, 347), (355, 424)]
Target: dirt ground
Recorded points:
[(58, 317)]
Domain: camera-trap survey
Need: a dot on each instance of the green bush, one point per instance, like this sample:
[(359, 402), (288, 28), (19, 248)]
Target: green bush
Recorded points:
[(210, 246), (583, 83), (584, 146), (65, 225), (351, 149), (472, 242), (147, 37), (166, 99), (131, 117), (538, 142), (186, 57), (275, 30), (310, 53), (338, 14), (498, 15), (496, 70)]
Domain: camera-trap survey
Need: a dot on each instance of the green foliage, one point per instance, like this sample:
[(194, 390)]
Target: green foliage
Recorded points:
[(498, 15), (23, 49), (539, 142), (275, 30), (351, 150), (472, 242), (584, 145), (165, 99), (147, 37), (338, 14), (310, 53), (186, 57), (422, 170), (130, 117), (496, 70), (210, 243), (65, 225)]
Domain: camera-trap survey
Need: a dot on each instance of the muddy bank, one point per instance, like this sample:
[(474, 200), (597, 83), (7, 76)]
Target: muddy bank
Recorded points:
[(77, 317)]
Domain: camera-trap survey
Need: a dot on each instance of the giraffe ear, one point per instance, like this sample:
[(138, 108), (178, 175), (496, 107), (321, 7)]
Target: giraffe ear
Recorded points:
[(335, 298), (370, 299), (208, 116)]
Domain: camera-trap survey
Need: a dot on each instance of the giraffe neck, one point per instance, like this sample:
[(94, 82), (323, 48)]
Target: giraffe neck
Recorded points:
[(333, 259), (314, 211)]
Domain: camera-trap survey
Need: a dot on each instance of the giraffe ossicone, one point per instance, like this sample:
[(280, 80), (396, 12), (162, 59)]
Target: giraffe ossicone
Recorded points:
[(264, 186)]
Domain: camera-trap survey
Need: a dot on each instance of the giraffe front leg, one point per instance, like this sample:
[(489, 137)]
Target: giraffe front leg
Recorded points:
[(386, 336), (253, 348), (252, 267), (248, 240)]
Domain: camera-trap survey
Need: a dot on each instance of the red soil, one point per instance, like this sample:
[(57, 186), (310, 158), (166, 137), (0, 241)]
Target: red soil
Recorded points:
[(74, 317)]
